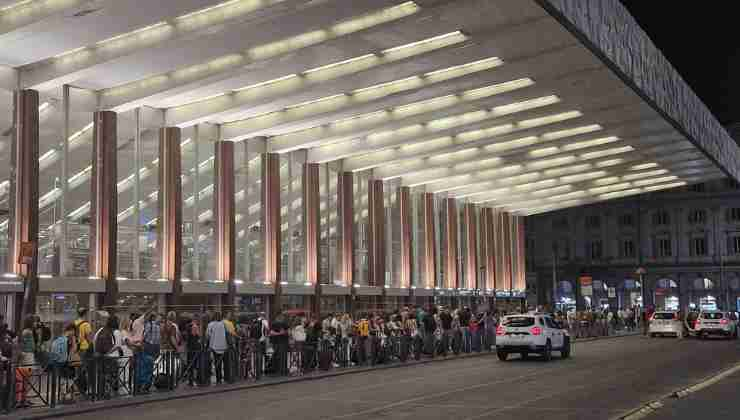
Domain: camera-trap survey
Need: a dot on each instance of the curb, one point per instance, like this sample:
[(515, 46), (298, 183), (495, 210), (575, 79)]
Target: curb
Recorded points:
[(653, 406), (199, 392)]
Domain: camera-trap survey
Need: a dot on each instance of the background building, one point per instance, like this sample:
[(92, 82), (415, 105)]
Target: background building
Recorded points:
[(687, 240)]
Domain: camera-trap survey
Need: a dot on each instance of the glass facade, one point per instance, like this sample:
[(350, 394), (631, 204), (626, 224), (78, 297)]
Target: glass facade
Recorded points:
[(66, 134)]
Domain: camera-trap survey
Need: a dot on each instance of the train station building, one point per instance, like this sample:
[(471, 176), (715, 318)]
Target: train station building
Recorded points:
[(320, 156)]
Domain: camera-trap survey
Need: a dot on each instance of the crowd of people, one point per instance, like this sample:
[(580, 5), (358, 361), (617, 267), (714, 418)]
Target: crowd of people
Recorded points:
[(103, 354)]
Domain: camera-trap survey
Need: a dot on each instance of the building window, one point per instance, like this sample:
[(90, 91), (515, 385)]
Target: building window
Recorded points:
[(596, 250), (698, 188), (627, 248), (733, 215), (626, 220), (697, 217), (593, 222), (697, 247), (663, 247), (661, 218), (733, 245)]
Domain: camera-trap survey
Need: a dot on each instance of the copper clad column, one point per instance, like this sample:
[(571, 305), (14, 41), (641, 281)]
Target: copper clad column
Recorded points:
[(311, 229), (24, 196), (506, 242), (471, 243), (376, 236), (490, 243), (169, 228), (519, 270), (451, 280), (271, 222), (430, 242), (225, 216), (346, 224), (104, 203), (404, 207)]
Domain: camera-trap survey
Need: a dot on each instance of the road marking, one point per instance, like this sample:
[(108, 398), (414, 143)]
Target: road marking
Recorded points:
[(703, 384)]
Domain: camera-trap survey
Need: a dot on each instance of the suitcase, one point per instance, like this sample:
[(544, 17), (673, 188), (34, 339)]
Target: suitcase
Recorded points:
[(324, 360)]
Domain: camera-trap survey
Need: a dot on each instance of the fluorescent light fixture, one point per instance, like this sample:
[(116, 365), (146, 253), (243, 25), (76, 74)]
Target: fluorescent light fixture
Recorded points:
[(317, 101), (550, 119), (618, 194), (487, 91), (15, 5), (121, 278), (238, 281), (663, 187), (643, 166), (609, 162), (608, 188), (45, 276), (268, 82), (132, 33), (77, 134), (631, 177), (44, 106), (211, 8), (472, 67), (608, 152), (525, 105), (340, 63), (555, 135), (645, 182), (582, 177), (376, 18), (590, 143), (543, 151), (163, 280), (414, 79), (456, 34)]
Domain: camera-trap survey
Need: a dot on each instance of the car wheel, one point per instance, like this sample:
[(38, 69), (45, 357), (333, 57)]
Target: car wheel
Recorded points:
[(565, 351), (502, 355), (547, 353)]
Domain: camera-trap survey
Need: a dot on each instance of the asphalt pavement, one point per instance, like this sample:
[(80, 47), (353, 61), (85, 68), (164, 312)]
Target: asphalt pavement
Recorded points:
[(602, 380), (715, 402)]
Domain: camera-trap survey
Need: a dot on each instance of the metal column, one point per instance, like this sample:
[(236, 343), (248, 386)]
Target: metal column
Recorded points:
[(169, 226), (225, 217), (430, 243), (376, 237), (311, 203), (104, 203), (451, 263), (404, 208), (24, 196), (271, 223)]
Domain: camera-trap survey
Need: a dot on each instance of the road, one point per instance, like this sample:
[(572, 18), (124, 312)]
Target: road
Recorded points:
[(716, 402), (604, 378)]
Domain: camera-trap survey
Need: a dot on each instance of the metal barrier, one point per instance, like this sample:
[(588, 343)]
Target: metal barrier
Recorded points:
[(98, 378)]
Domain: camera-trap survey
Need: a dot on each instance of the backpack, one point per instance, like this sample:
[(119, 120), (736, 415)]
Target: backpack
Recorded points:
[(59, 353), (152, 339), (104, 341)]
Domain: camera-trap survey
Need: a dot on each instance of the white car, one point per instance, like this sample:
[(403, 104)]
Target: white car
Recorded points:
[(665, 323), (531, 333), (716, 323)]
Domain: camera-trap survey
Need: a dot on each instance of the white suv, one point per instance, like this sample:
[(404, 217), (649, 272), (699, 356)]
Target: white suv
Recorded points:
[(665, 323), (531, 333), (716, 323)]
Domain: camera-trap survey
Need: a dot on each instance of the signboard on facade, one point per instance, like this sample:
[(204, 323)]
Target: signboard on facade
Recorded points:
[(586, 285)]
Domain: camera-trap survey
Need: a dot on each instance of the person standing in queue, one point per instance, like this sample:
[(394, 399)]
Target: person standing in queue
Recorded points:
[(279, 339)]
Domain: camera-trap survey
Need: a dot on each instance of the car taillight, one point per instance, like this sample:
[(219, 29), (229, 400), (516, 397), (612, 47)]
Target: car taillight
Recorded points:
[(500, 330), (675, 315), (724, 322), (536, 330)]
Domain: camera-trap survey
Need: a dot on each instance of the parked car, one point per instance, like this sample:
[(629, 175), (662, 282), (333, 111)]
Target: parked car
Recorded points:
[(664, 323), (712, 323)]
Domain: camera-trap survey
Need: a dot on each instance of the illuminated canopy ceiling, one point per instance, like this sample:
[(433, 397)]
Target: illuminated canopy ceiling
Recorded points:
[(516, 104)]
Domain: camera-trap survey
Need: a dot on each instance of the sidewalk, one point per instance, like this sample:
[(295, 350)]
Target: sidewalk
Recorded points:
[(185, 392)]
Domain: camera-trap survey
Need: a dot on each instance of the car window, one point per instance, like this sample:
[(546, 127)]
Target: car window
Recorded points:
[(664, 315), (712, 315), (519, 321), (542, 322)]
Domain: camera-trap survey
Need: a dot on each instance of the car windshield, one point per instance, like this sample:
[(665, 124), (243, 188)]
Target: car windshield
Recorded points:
[(712, 315), (664, 315), (519, 321)]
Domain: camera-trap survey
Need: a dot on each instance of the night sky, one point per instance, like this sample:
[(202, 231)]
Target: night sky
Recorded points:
[(701, 40)]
